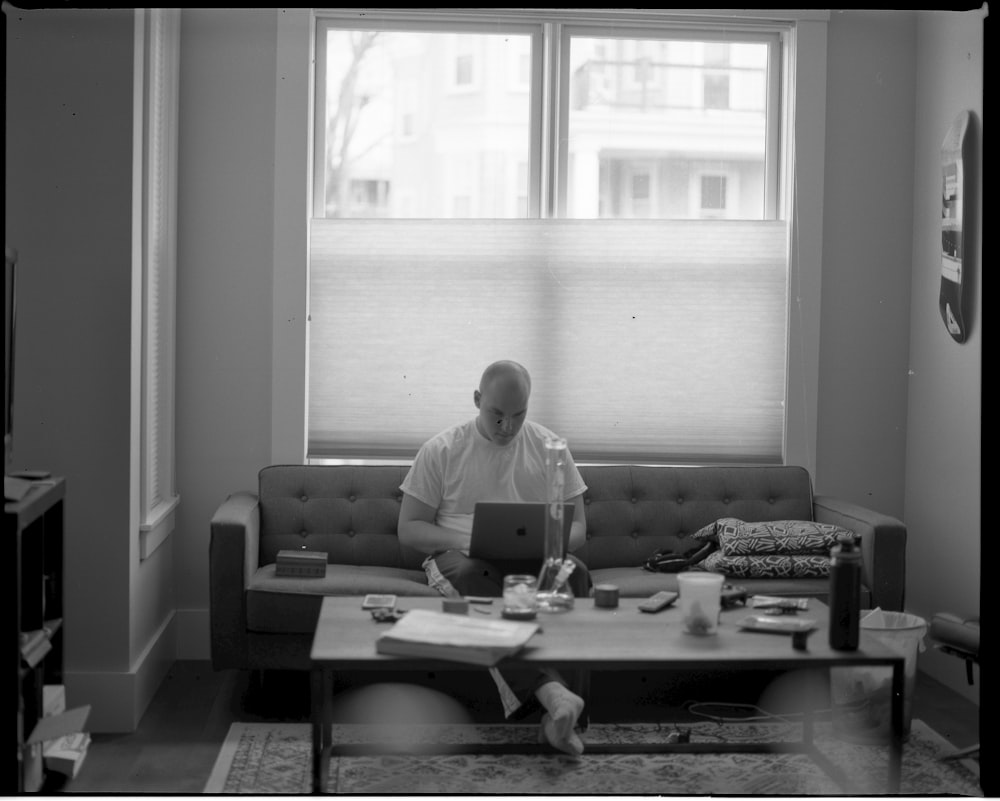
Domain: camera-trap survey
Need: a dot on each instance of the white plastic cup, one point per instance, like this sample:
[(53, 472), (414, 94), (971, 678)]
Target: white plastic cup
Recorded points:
[(701, 601)]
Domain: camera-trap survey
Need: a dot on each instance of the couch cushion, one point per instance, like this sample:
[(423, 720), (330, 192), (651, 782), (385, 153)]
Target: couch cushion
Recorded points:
[(350, 512), (291, 605)]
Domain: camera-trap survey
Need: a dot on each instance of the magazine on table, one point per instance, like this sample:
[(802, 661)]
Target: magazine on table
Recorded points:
[(458, 638)]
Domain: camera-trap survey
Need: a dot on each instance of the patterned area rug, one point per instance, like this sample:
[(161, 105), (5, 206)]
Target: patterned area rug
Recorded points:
[(266, 758)]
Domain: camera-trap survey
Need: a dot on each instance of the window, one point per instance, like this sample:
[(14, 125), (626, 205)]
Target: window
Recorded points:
[(158, 38), (594, 265), (713, 193), (716, 88)]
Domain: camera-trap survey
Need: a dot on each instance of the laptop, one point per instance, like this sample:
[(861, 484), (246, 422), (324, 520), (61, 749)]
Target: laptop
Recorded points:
[(513, 531)]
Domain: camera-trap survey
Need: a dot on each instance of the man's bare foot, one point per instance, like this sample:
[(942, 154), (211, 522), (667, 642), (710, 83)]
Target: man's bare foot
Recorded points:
[(563, 709)]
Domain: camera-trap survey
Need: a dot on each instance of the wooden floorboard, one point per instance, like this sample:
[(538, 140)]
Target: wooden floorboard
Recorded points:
[(178, 739)]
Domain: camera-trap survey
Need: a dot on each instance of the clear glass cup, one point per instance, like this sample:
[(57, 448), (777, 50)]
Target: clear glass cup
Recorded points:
[(700, 601), (520, 597)]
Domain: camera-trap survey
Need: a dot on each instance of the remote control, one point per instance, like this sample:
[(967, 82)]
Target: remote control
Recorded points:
[(657, 602)]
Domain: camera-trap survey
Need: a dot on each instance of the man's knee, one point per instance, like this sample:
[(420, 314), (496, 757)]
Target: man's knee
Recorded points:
[(469, 576)]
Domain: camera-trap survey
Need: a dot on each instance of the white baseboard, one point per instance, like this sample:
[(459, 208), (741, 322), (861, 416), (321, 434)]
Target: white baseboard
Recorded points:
[(118, 700)]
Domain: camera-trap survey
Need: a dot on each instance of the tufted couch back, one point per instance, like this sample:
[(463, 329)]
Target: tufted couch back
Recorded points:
[(634, 510), (351, 512)]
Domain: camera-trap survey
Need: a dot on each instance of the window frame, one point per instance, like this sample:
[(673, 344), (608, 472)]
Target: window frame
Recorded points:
[(804, 84), (413, 21), (549, 95)]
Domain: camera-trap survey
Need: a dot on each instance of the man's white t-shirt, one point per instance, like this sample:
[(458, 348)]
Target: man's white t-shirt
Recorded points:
[(459, 467)]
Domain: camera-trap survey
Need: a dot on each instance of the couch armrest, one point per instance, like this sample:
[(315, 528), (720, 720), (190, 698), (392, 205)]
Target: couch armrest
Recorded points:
[(883, 547), (233, 555)]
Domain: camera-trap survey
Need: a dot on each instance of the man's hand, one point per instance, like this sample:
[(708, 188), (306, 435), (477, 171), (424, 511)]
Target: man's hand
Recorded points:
[(418, 530)]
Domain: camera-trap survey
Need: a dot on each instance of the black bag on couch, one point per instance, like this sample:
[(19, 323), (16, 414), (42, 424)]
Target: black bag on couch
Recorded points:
[(667, 560)]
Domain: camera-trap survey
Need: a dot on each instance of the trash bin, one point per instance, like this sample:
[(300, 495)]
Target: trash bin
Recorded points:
[(862, 696)]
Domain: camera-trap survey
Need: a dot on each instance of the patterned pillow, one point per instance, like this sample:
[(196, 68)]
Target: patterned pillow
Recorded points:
[(707, 533), (768, 566), (739, 538)]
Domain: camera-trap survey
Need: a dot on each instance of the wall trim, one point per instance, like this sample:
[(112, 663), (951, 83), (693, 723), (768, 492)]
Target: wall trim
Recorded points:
[(118, 700), (154, 533)]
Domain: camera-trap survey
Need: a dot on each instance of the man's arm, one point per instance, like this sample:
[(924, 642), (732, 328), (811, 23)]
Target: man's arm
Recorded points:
[(578, 530), (418, 530)]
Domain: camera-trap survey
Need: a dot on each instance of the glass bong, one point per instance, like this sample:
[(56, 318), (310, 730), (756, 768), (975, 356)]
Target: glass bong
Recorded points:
[(554, 593)]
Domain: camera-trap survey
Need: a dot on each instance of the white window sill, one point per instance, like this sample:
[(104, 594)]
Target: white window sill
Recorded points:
[(158, 527)]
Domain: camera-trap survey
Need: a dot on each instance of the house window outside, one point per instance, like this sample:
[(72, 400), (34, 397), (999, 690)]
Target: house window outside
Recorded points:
[(573, 244), (716, 91), (713, 193), (463, 70)]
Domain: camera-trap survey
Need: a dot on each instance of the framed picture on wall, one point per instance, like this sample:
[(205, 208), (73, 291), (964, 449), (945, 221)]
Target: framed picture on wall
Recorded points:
[(951, 300)]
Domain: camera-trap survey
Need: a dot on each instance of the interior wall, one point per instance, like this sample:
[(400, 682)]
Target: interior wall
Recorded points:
[(224, 283), (867, 227), (944, 429), (68, 212)]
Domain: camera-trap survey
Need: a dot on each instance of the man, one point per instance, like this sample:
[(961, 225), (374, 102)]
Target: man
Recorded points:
[(499, 455)]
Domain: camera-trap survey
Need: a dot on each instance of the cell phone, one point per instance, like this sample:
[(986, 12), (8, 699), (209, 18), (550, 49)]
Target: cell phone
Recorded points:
[(378, 601)]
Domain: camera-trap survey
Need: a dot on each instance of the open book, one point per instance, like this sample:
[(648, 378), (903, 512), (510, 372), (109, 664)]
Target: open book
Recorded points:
[(458, 638)]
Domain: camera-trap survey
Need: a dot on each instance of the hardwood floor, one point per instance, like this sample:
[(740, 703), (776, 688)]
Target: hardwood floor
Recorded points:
[(175, 746)]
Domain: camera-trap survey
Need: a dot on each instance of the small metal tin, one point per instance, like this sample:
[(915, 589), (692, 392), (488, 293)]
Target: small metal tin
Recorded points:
[(606, 596), (455, 606)]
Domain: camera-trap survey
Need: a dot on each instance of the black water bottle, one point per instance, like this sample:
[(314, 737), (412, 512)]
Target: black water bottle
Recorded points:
[(845, 596)]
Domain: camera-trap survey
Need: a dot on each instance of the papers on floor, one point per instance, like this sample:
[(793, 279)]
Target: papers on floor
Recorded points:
[(59, 733), (440, 635)]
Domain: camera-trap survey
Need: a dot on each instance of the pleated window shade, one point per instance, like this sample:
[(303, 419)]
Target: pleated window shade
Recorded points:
[(658, 341)]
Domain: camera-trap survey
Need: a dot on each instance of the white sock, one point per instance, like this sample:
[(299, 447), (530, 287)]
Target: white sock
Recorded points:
[(562, 710)]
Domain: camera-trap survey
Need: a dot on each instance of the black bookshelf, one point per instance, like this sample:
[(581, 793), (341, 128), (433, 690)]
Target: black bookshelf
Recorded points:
[(36, 520)]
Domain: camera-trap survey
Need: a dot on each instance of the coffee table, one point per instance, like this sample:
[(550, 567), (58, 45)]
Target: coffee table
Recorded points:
[(590, 638)]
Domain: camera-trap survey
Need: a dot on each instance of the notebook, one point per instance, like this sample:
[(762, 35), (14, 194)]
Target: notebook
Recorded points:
[(513, 531)]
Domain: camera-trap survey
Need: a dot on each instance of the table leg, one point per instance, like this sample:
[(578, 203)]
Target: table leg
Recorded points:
[(896, 741), (322, 713)]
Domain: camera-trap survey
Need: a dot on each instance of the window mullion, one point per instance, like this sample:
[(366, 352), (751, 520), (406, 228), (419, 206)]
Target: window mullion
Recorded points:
[(554, 108)]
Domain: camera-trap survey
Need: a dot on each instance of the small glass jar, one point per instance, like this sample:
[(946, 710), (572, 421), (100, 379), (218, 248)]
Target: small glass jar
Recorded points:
[(520, 597)]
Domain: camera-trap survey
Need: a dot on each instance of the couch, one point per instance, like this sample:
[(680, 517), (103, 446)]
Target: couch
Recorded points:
[(260, 621)]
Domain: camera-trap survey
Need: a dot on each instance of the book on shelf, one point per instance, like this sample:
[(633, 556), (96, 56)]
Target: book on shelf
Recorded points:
[(32, 768), (53, 699), (36, 644), (301, 564), (457, 638)]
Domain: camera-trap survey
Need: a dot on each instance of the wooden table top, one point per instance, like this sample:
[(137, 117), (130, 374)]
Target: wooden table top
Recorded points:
[(601, 639)]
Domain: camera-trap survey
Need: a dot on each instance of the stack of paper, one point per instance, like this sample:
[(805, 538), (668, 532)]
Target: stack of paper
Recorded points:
[(60, 738), (440, 635)]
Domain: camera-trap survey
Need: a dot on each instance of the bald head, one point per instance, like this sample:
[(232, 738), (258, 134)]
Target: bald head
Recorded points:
[(507, 372), (502, 400)]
